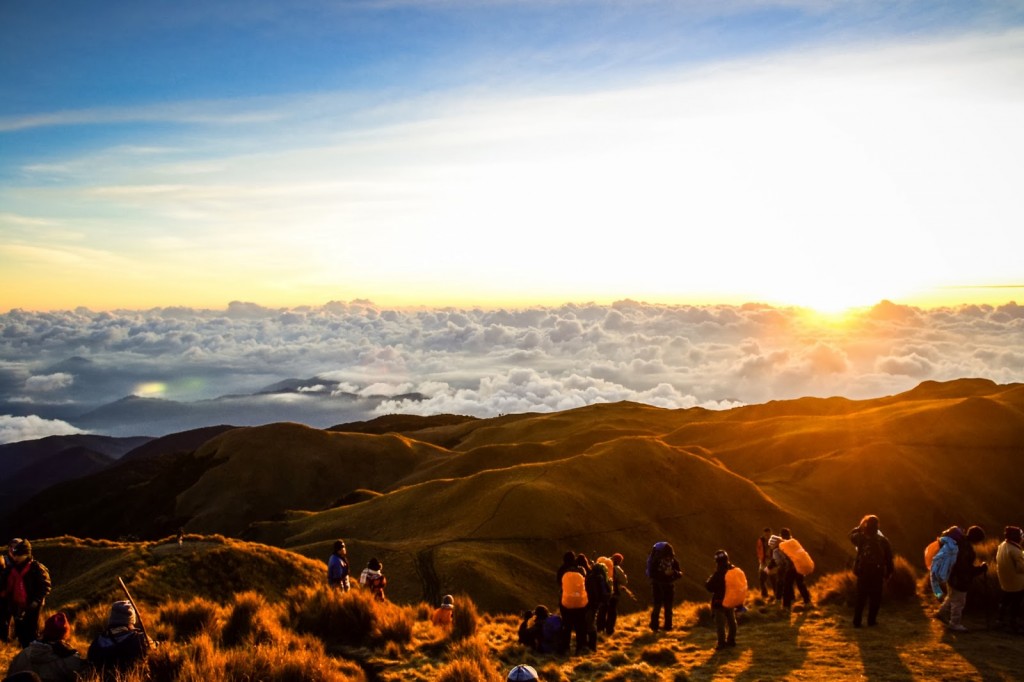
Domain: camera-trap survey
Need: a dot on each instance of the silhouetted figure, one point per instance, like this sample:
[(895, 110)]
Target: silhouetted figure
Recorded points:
[(765, 563), (337, 567), (725, 617), (1010, 569), (960, 578), (663, 571), (25, 584), (873, 567)]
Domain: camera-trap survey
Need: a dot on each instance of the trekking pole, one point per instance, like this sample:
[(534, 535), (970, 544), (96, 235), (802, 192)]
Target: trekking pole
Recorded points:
[(138, 615)]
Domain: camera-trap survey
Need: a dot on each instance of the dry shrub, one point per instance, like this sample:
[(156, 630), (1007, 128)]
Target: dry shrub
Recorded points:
[(467, 670), (902, 586), (633, 673), (252, 620), (394, 624), (334, 616), (704, 617), (659, 656), (465, 618), (187, 620)]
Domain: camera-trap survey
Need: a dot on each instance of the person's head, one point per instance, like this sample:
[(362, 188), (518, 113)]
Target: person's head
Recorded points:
[(869, 523), (522, 673), (569, 558), (121, 615), (975, 534), (20, 550), (1013, 534), (721, 557), (582, 561), (767, 532), (786, 535), (374, 564), (448, 600), (541, 612), (668, 550), (56, 628), (339, 547), (617, 559)]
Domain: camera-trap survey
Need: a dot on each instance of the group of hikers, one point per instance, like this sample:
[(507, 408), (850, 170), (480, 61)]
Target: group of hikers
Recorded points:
[(46, 650), (589, 596)]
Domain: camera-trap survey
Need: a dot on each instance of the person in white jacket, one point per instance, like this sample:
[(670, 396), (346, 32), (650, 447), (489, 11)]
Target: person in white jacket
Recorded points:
[(1010, 570)]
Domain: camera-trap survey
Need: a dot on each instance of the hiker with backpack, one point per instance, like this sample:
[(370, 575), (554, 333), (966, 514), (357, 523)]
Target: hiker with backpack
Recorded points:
[(372, 578), (122, 644), (873, 567), (663, 571), (51, 657), (725, 616), (598, 592), (961, 575), (765, 563), (574, 605), (25, 584), (790, 575), (337, 567), (1010, 570), (607, 618)]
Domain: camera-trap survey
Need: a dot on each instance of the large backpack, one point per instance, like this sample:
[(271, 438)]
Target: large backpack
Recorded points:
[(870, 556), (550, 633), (735, 588), (799, 557), (597, 583), (930, 551), (574, 590), (657, 552)]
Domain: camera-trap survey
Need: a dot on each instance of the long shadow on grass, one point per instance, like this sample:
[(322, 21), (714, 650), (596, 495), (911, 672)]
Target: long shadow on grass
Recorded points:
[(771, 638)]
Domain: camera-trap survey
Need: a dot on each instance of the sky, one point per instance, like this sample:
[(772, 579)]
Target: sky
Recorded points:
[(497, 206), (498, 153)]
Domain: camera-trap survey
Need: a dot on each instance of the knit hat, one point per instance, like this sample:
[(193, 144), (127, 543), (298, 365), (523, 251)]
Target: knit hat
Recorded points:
[(541, 611), (338, 545), (522, 673), (374, 564), (975, 534), (722, 557), (1013, 534), (617, 559), (56, 628), (121, 614), (21, 547)]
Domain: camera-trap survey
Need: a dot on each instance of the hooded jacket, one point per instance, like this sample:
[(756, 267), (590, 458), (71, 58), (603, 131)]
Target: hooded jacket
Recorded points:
[(52, 661), (1010, 566)]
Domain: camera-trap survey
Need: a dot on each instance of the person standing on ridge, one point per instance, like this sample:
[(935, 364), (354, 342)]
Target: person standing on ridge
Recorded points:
[(960, 578), (764, 559), (574, 605), (372, 578), (790, 577), (725, 617), (619, 583), (663, 571), (25, 584), (1010, 569), (337, 567), (873, 567)]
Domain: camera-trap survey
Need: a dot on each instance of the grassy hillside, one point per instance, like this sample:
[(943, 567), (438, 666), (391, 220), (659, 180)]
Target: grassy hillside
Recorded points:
[(229, 610)]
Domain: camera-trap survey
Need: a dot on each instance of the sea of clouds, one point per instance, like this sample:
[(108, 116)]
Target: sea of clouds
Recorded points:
[(64, 372)]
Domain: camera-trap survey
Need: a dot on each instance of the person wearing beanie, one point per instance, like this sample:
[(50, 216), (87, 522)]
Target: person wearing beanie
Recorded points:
[(372, 578), (50, 657), (25, 584), (724, 617), (444, 613), (337, 567), (873, 567), (1010, 570), (522, 673), (960, 578), (122, 644)]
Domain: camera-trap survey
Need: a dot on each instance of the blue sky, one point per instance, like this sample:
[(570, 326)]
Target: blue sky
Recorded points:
[(430, 152)]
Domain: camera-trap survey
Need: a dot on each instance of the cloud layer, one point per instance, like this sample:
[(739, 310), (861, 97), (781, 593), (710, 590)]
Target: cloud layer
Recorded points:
[(357, 360)]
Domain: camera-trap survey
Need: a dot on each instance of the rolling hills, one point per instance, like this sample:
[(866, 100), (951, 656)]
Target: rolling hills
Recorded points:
[(488, 506)]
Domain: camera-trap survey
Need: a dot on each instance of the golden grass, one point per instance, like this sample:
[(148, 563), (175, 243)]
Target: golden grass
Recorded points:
[(253, 638)]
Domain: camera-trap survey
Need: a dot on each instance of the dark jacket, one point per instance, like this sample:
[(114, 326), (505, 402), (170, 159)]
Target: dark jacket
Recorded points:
[(37, 582), (872, 561), (716, 584), (964, 571)]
